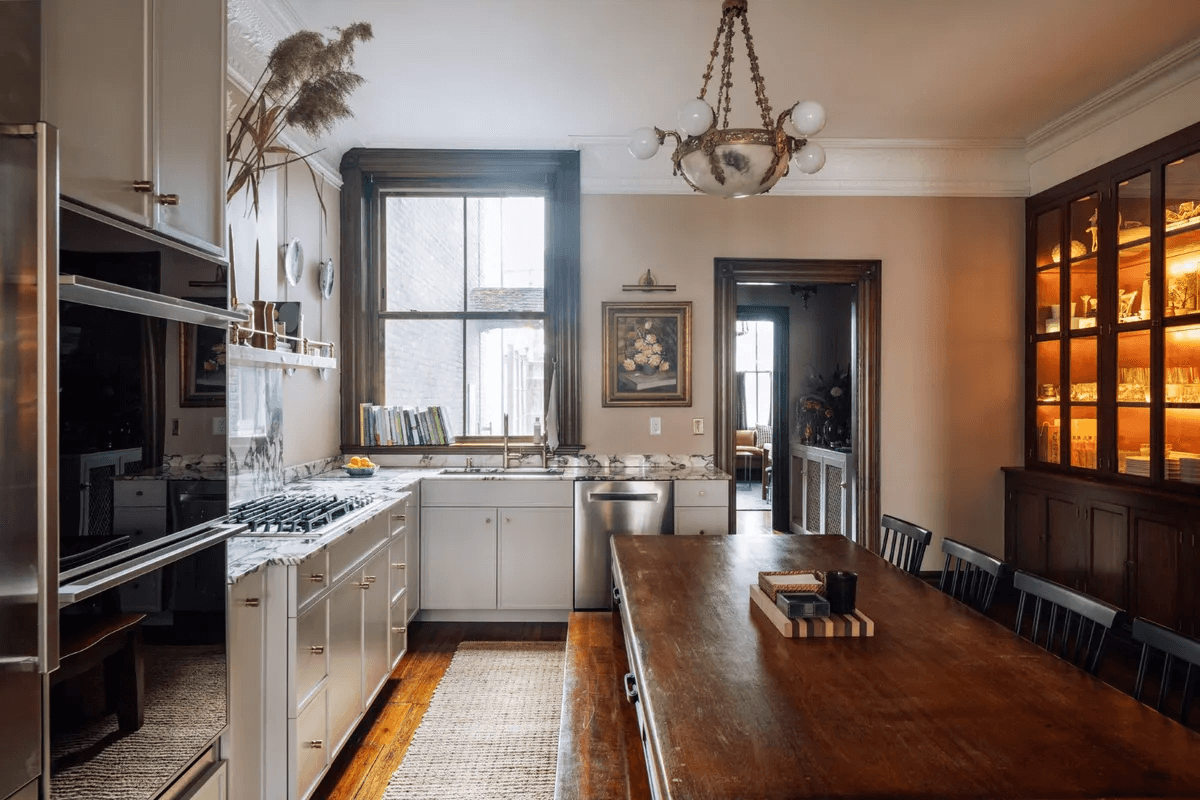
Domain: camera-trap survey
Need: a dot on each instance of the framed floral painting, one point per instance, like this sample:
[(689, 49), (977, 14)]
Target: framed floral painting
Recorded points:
[(647, 354)]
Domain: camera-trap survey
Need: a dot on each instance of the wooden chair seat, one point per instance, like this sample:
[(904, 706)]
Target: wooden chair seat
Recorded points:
[(1173, 647), (114, 641), (903, 543), (1092, 619), (973, 575), (599, 750)]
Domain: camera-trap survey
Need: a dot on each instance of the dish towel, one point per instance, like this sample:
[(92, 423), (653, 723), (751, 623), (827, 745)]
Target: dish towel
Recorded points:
[(552, 411)]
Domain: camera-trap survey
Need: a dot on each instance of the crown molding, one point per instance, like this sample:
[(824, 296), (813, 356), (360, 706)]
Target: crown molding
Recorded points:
[(254, 28), (1165, 75)]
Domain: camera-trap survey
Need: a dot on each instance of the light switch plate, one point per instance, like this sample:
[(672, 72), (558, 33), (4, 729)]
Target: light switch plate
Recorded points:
[(655, 426), (218, 426), (698, 426)]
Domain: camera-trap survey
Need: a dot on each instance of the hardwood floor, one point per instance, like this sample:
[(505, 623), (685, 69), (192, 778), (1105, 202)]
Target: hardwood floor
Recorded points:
[(378, 745)]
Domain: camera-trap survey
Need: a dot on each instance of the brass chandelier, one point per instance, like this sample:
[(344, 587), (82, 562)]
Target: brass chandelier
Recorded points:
[(736, 162)]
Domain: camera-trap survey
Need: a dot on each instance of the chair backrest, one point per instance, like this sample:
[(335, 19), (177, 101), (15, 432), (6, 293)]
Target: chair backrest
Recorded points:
[(762, 435), (744, 438), (1174, 646), (903, 543), (970, 575), (1075, 624)]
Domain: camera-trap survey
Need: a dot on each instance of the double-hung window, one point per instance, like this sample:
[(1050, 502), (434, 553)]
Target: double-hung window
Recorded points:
[(467, 293)]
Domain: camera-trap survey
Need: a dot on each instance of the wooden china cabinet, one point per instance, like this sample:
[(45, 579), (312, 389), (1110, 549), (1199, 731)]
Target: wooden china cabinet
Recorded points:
[(1109, 498)]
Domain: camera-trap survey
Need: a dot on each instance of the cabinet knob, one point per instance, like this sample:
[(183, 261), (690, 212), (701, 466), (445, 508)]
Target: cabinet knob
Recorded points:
[(398, 517), (398, 566), (702, 493), (317, 649), (143, 187), (316, 744), (317, 577), (507, 521), (701, 531), (167, 199), (399, 630), (251, 602), (488, 521), (138, 493)]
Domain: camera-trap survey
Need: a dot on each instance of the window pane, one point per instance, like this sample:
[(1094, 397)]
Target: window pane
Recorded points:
[(423, 366), (424, 248), (505, 372), (506, 253)]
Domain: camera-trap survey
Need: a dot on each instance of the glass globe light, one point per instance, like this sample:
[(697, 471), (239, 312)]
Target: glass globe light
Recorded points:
[(695, 117), (809, 118), (810, 158), (643, 143)]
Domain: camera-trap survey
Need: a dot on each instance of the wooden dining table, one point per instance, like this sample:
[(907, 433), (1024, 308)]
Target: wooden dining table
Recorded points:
[(940, 702)]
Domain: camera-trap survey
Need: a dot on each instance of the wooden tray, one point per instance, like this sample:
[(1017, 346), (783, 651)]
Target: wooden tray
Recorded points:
[(800, 581), (856, 624)]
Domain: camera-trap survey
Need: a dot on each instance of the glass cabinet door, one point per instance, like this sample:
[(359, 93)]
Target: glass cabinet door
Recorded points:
[(1181, 320), (1134, 395), (1049, 329), (1049, 274), (1084, 308)]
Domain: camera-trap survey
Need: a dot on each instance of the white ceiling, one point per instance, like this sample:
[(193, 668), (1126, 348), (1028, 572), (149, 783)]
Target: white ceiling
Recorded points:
[(569, 73)]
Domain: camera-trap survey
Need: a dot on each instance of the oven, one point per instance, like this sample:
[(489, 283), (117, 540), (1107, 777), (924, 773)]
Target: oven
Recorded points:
[(141, 694)]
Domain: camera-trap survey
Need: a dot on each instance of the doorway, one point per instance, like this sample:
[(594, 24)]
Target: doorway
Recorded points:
[(760, 407), (864, 275)]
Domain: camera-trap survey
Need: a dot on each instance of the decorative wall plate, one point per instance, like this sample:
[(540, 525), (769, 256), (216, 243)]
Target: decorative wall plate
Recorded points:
[(325, 278), (293, 261)]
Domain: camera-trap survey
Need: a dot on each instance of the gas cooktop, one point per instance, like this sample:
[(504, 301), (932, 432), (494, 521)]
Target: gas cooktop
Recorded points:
[(287, 514)]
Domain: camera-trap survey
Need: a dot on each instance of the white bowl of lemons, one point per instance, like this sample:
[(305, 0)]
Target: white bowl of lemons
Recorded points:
[(360, 467)]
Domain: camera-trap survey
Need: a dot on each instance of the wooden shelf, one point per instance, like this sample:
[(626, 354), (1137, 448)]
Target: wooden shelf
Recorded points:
[(241, 354)]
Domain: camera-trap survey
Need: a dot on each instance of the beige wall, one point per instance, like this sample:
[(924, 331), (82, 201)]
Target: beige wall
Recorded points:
[(288, 207), (952, 358)]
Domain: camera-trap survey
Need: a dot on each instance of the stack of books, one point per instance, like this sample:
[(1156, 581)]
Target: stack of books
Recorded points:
[(401, 425)]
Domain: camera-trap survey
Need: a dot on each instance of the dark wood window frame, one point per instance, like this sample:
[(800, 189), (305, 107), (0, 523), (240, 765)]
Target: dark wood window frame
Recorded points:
[(552, 174)]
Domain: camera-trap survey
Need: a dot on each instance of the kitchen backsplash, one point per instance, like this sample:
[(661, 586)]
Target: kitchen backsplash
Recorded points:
[(254, 406), (610, 461)]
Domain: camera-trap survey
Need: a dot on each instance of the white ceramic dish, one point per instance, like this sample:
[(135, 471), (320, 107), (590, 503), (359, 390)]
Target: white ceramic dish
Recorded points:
[(293, 261)]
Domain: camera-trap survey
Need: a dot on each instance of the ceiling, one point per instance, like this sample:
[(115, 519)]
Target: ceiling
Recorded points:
[(566, 73)]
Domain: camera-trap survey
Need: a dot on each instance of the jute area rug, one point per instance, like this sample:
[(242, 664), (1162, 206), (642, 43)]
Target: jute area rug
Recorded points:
[(491, 730)]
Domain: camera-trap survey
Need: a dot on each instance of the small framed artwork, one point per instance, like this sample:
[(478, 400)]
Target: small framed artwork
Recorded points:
[(647, 354), (202, 371)]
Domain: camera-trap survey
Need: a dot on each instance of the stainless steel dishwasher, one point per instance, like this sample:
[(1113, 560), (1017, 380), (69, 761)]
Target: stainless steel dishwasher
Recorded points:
[(603, 508)]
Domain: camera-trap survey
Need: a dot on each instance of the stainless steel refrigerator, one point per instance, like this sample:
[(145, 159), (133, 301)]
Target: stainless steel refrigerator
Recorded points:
[(29, 415)]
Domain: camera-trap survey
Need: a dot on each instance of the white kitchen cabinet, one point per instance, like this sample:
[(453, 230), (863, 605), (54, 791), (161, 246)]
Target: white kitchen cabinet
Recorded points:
[(822, 496), (701, 508), (458, 559), (536, 558), (137, 91), (211, 785), (311, 644), (496, 549)]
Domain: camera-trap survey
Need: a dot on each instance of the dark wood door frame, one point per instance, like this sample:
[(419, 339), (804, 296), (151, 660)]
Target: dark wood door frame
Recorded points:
[(779, 402), (864, 349)]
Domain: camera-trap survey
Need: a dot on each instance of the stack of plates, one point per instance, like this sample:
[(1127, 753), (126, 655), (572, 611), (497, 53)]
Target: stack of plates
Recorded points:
[(1189, 470), (1138, 465)]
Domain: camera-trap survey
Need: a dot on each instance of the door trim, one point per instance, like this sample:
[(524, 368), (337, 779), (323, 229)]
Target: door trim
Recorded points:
[(865, 354)]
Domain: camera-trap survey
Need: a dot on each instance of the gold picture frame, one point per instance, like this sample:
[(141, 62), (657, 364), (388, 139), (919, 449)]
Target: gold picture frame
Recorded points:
[(202, 370), (647, 354)]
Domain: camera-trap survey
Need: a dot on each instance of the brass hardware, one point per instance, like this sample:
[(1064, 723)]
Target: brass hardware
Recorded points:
[(251, 602), (398, 630), (398, 566), (316, 744), (167, 199), (143, 187), (317, 649), (369, 578), (488, 521), (364, 585), (317, 577), (399, 517), (648, 283)]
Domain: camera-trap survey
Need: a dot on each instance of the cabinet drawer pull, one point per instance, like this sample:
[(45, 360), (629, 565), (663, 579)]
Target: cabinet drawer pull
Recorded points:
[(398, 566), (317, 577), (398, 517), (364, 585), (167, 199), (368, 578), (317, 649), (399, 630), (143, 187), (251, 602), (316, 744)]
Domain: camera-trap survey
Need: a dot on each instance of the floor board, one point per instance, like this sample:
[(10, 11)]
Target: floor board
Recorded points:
[(378, 744)]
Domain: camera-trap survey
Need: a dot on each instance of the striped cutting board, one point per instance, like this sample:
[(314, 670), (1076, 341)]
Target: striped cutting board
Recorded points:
[(837, 625)]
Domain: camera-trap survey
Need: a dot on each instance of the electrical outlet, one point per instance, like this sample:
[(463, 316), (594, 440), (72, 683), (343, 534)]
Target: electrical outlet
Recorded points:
[(655, 426), (697, 426), (174, 427), (218, 426)]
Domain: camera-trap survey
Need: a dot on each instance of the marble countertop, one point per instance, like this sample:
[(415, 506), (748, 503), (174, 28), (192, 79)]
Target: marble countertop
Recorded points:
[(248, 553)]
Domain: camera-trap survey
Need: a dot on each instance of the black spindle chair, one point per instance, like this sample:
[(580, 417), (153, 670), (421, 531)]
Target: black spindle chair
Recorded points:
[(903, 543), (1173, 646), (973, 575), (1079, 624)]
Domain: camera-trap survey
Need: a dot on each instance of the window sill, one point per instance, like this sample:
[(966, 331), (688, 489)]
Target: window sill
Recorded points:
[(465, 448)]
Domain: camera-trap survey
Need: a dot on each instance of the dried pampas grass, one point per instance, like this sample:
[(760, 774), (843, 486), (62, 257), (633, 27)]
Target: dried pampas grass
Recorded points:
[(306, 83)]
